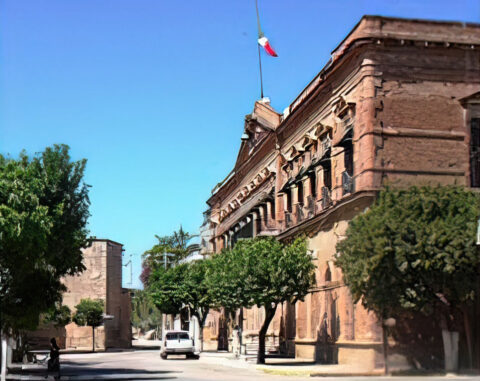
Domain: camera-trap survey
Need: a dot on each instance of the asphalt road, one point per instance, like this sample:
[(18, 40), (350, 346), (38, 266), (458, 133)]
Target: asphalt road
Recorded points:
[(147, 365)]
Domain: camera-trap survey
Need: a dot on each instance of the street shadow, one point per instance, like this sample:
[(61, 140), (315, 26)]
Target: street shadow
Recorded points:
[(95, 370)]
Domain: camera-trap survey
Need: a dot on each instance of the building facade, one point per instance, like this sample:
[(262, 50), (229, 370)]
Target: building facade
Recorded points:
[(102, 279), (398, 103)]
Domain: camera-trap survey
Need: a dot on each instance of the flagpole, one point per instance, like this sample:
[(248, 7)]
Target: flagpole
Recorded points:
[(259, 55), (260, 66)]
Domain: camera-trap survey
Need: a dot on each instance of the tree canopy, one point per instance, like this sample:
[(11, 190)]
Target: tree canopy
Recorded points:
[(177, 244), (263, 272), (89, 312), (414, 249), (145, 315), (43, 217)]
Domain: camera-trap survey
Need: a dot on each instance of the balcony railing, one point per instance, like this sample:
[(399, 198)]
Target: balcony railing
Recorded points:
[(348, 184), (310, 207), (299, 212), (288, 219), (326, 145), (326, 198)]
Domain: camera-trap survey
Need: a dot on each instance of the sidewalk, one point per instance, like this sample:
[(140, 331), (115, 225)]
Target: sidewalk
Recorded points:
[(287, 366)]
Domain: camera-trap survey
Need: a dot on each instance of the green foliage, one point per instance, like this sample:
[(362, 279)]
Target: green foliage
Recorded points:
[(262, 272), (59, 315), (414, 249), (273, 273), (145, 315), (225, 282), (89, 312), (43, 216), (177, 244), (182, 286), (166, 288)]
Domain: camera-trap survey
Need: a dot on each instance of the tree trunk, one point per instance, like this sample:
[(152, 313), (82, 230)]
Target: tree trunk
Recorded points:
[(269, 314), (93, 339), (468, 335), (385, 348), (201, 324), (450, 346), (4, 356)]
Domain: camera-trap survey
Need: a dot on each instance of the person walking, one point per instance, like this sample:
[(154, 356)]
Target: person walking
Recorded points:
[(53, 365)]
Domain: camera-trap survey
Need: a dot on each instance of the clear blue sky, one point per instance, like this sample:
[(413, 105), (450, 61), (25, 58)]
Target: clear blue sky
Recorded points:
[(153, 92)]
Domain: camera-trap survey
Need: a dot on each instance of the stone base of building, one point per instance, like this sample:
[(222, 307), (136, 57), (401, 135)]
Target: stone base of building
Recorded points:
[(365, 355)]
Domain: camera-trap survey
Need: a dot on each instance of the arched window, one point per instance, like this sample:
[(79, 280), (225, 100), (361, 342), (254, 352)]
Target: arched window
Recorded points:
[(328, 275)]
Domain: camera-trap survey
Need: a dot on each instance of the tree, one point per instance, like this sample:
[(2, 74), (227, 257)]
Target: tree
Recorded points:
[(195, 292), (265, 273), (89, 313), (165, 287), (59, 315), (414, 250), (145, 315), (183, 286), (43, 217), (176, 244)]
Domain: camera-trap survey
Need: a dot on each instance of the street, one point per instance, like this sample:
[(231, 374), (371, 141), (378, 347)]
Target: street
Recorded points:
[(147, 365)]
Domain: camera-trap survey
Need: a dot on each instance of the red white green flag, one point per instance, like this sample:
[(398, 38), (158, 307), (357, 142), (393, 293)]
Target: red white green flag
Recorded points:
[(262, 40), (265, 44)]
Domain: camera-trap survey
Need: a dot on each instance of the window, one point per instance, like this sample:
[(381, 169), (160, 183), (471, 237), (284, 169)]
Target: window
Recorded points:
[(327, 176), (348, 158), (289, 200), (328, 275), (300, 192), (313, 184), (475, 152)]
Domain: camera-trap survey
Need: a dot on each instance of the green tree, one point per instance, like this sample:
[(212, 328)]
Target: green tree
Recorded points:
[(145, 315), (43, 217), (183, 286), (166, 288), (195, 292), (89, 313), (414, 250), (59, 315), (265, 273), (177, 244)]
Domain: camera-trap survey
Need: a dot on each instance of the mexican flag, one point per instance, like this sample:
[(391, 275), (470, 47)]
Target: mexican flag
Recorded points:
[(265, 44), (262, 40)]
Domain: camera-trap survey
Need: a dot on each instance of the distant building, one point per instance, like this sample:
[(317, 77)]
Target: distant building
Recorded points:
[(102, 279), (397, 103)]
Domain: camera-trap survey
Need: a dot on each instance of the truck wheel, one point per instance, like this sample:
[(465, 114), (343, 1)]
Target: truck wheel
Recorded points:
[(164, 356)]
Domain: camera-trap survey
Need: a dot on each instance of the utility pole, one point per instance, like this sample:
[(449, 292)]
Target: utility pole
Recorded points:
[(164, 316), (131, 272)]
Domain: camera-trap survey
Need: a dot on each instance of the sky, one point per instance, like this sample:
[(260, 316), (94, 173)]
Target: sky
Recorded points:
[(153, 93)]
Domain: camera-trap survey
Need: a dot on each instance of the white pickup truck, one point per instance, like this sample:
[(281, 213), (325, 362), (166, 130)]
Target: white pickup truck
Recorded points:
[(177, 343)]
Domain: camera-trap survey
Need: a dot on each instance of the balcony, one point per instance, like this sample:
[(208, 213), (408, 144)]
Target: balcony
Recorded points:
[(348, 183), (288, 220), (309, 208), (326, 198), (299, 212)]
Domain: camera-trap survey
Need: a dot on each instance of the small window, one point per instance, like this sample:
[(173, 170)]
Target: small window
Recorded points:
[(475, 152), (300, 192), (289, 200), (171, 336), (313, 184), (328, 275), (183, 336)]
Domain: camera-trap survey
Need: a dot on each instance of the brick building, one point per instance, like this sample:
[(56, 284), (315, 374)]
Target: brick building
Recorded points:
[(398, 102), (102, 279)]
